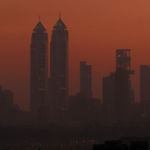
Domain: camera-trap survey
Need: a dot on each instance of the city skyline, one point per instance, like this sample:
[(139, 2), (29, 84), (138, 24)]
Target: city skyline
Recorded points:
[(126, 31)]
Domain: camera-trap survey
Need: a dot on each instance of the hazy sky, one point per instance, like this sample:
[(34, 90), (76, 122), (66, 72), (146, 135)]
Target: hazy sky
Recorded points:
[(96, 29)]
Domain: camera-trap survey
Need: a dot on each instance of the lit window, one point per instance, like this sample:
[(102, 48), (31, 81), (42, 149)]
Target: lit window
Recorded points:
[(62, 108), (62, 88), (128, 68), (62, 75)]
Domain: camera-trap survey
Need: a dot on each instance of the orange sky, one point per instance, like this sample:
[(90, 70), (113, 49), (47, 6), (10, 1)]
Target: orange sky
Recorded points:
[(96, 29)]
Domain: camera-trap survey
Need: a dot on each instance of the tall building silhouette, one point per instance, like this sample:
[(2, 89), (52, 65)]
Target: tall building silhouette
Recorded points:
[(38, 73), (6, 106), (59, 70), (108, 89), (145, 90), (86, 79), (144, 83), (122, 92), (108, 107), (123, 60), (123, 84)]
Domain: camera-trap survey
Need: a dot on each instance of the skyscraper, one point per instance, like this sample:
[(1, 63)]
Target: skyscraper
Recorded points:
[(86, 79), (144, 83), (38, 72), (123, 84), (122, 94), (59, 70), (108, 106), (109, 89), (7, 105), (123, 59), (145, 90)]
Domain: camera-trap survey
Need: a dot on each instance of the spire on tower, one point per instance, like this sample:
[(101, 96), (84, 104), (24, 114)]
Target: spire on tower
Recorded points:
[(39, 26), (59, 24)]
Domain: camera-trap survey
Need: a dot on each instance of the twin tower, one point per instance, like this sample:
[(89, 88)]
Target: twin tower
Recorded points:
[(48, 96)]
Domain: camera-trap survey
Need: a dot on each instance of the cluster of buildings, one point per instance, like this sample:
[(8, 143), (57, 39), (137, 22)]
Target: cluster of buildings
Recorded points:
[(10, 113), (49, 99), (49, 96), (119, 105), (118, 97)]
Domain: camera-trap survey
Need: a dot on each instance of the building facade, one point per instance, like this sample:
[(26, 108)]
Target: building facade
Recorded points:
[(58, 84), (145, 90), (86, 79), (38, 73), (123, 93), (144, 83), (123, 59), (108, 88), (108, 106)]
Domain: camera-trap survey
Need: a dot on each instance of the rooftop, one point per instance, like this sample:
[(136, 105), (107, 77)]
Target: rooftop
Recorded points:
[(59, 24), (39, 26)]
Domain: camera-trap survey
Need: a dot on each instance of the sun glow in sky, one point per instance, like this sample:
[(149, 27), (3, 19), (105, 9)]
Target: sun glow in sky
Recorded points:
[(96, 29)]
